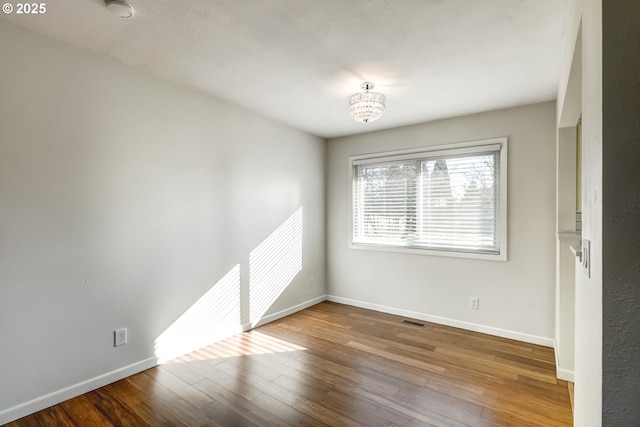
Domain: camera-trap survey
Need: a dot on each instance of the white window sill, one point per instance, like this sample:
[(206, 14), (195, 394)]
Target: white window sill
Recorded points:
[(431, 252)]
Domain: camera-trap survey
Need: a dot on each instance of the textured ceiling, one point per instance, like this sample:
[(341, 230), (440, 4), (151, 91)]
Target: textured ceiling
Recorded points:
[(296, 61)]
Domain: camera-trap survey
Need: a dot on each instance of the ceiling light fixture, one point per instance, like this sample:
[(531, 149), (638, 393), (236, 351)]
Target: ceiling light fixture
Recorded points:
[(119, 8), (366, 106)]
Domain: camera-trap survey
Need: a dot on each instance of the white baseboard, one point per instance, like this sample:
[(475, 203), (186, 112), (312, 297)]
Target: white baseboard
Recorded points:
[(39, 403), (562, 374), (504, 333), (288, 311), (565, 374)]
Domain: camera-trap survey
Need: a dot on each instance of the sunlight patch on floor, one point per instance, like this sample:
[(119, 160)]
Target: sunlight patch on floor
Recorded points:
[(215, 316), (247, 344)]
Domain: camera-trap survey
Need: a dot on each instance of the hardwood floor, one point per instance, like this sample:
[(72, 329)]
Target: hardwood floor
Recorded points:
[(335, 365)]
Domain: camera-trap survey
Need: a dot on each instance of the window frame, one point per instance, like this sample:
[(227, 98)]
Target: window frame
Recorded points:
[(445, 149)]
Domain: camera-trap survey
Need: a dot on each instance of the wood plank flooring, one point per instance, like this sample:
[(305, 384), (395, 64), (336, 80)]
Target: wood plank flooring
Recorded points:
[(335, 365)]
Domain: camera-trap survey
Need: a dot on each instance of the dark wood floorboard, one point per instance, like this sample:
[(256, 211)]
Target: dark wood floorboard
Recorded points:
[(334, 365)]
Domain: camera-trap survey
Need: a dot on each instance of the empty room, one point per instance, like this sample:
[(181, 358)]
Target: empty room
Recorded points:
[(319, 213)]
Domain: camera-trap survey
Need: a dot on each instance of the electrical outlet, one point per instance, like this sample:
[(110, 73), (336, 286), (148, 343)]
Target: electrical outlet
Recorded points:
[(312, 283), (119, 337), (474, 303)]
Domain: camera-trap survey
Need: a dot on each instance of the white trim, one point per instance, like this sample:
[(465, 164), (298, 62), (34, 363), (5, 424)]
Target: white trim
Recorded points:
[(53, 398), (498, 332), (422, 251), (447, 146), (503, 197), (428, 153), (286, 312), (565, 374), (569, 236), (562, 374)]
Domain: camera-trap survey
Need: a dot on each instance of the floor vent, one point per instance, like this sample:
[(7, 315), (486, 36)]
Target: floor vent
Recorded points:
[(409, 322)]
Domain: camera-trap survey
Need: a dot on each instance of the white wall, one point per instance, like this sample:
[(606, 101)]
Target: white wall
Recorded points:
[(585, 18), (123, 200), (517, 296)]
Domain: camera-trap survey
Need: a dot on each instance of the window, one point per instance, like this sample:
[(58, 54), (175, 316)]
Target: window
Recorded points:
[(447, 200)]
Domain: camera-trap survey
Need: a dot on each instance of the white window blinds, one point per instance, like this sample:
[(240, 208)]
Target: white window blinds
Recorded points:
[(447, 200), (385, 203)]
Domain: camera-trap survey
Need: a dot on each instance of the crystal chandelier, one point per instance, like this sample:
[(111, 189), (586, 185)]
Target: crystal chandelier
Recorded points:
[(366, 106)]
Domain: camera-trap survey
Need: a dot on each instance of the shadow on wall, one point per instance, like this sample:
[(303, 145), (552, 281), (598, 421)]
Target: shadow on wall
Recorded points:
[(217, 314)]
